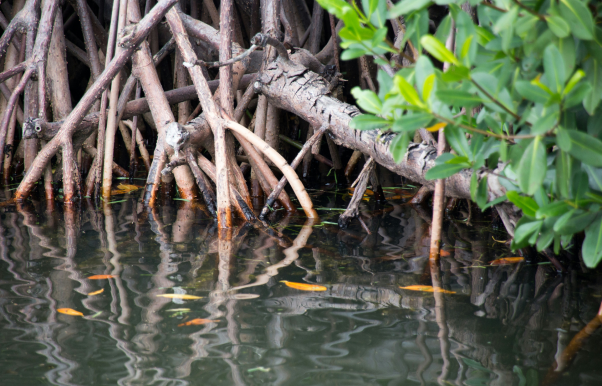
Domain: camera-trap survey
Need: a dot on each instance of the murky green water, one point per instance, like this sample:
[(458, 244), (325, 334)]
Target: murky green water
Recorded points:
[(505, 325)]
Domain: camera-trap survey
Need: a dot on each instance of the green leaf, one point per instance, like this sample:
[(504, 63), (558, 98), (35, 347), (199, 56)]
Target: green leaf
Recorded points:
[(457, 140), (423, 71), (578, 17), (406, 6), (498, 200), (593, 69), (577, 95), (532, 167), (456, 73), (546, 235), (552, 209), (577, 76), (458, 98), (595, 177), (592, 245), (527, 204), (399, 146), (506, 21), (544, 123), (353, 53), (482, 193), (427, 87), (580, 145), (564, 171), (553, 65), (531, 92), (336, 7), (367, 122), (447, 165), (408, 92), (438, 50), (412, 121), (558, 26), (525, 228), (367, 100), (575, 221)]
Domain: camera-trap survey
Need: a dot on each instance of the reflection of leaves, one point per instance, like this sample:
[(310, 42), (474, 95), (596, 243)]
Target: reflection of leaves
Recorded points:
[(478, 381), (475, 365)]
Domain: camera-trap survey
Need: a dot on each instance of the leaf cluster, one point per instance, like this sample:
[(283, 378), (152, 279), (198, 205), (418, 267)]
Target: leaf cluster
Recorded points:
[(519, 99)]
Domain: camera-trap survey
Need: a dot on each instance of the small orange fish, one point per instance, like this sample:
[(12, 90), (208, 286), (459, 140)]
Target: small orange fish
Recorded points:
[(197, 322), (69, 311), (426, 288), (179, 296), (98, 277), (96, 292), (508, 260), (304, 287), (444, 253)]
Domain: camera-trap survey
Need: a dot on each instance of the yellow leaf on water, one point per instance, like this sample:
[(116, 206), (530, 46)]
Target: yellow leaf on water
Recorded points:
[(127, 188), (180, 296), (117, 192), (100, 277), (508, 260), (96, 292), (197, 322), (69, 311), (437, 126), (304, 286), (426, 288)]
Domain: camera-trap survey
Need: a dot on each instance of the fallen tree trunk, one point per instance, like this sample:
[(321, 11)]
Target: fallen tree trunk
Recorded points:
[(292, 87)]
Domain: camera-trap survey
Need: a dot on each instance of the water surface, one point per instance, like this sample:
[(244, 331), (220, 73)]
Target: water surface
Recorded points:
[(504, 325)]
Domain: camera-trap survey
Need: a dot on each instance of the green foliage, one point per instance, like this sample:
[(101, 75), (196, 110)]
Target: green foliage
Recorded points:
[(529, 74)]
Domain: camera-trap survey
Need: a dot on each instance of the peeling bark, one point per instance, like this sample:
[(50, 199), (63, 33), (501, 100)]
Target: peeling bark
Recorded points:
[(294, 88)]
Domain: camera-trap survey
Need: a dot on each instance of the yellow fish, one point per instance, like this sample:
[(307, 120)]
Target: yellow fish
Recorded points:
[(304, 286), (426, 288)]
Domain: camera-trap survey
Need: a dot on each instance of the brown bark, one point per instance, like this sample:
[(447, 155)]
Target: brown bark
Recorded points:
[(307, 95), (144, 70), (130, 41)]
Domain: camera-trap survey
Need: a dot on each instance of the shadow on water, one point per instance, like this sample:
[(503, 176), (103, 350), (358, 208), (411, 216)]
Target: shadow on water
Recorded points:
[(492, 324)]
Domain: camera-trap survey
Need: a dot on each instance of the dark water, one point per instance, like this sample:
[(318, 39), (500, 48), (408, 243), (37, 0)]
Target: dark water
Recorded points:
[(505, 325)]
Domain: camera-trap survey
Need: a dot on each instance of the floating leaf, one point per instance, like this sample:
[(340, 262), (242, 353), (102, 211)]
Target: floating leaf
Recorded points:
[(179, 310), (128, 188), (426, 288), (180, 296), (508, 260), (96, 292), (304, 286), (197, 322), (99, 277), (69, 311)]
